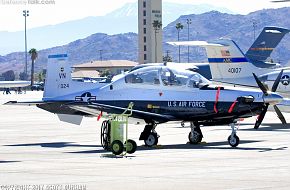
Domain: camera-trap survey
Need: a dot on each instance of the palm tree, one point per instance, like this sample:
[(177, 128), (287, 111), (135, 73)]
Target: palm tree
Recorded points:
[(157, 26), (179, 27), (33, 54)]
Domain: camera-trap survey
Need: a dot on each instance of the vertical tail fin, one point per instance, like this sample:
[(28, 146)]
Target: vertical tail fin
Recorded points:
[(228, 61), (266, 42), (59, 83), (58, 76)]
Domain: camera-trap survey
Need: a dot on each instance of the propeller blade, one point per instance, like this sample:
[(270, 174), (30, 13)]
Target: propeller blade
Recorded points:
[(277, 81), (280, 115), (261, 85), (261, 117)]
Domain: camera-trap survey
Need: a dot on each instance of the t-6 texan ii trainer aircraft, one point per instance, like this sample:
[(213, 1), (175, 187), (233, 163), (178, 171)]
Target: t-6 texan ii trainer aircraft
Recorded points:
[(159, 94)]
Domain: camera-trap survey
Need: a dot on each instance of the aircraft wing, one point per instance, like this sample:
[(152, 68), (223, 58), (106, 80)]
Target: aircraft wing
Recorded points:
[(14, 84), (284, 106), (196, 43), (95, 108), (235, 83)]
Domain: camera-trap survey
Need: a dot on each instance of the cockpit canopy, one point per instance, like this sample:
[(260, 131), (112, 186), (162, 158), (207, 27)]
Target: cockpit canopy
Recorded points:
[(166, 76)]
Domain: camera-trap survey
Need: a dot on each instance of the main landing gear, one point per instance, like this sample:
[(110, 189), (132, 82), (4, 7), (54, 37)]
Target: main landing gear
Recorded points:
[(195, 135), (149, 135), (233, 139)]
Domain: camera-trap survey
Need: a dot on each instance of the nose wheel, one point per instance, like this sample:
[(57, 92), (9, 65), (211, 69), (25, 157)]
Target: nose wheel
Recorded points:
[(233, 139)]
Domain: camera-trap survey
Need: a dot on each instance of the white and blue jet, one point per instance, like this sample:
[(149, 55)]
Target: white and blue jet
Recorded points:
[(159, 94)]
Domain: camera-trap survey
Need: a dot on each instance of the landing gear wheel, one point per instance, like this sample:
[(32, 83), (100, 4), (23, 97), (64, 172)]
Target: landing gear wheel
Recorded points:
[(195, 137), (233, 141), (117, 147), (105, 135), (151, 140), (131, 146)]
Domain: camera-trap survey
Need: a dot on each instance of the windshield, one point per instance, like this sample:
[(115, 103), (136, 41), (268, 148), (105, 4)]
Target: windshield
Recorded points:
[(175, 77), (167, 76)]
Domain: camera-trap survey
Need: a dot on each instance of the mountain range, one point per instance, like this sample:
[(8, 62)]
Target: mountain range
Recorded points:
[(206, 26), (123, 20)]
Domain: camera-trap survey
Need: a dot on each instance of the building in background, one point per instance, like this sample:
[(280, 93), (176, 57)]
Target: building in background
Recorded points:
[(150, 49), (96, 68)]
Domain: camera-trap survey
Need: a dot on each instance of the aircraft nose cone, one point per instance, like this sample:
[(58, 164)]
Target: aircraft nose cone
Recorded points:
[(273, 98)]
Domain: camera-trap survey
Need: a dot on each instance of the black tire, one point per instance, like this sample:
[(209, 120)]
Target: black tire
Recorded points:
[(151, 140), (105, 135), (131, 146), (117, 147), (235, 141), (197, 138)]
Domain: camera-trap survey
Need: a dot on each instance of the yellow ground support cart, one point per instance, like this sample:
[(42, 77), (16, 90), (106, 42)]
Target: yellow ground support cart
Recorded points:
[(114, 133)]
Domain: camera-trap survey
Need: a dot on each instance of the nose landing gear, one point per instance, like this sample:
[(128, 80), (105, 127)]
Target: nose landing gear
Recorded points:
[(233, 139)]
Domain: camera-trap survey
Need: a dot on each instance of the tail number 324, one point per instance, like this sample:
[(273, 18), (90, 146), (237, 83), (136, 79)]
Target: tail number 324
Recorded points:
[(64, 85)]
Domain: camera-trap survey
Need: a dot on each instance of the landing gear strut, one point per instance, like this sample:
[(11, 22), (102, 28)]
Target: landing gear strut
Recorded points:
[(195, 136), (233, 139), (149, 135)]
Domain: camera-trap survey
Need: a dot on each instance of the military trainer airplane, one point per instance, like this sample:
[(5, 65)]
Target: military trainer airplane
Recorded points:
[(160, 94)]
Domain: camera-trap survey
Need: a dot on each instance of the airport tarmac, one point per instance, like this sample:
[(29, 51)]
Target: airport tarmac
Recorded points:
[(38, 151)]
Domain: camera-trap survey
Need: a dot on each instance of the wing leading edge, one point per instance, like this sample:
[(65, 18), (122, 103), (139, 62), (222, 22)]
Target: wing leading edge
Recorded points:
[(95, 108)]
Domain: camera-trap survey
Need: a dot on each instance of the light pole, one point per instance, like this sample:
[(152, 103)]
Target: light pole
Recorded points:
[(188, 22), (179, 27), (255, 24), (101, 54), (25, 14)]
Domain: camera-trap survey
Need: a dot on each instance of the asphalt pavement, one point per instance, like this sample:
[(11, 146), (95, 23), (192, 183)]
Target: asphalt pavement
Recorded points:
[(39, 151)]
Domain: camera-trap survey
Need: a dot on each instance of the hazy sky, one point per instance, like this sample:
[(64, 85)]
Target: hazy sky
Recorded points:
[(58, 11)]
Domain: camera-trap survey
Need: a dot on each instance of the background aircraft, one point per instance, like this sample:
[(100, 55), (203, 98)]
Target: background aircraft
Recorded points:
[(260, 51), (228, 64), (159, 94)]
